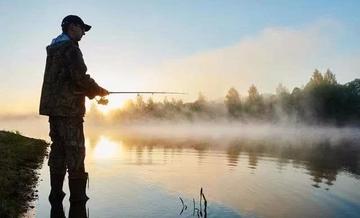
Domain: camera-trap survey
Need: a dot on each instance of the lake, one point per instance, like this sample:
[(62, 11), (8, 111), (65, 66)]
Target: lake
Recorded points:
[(257, 170)]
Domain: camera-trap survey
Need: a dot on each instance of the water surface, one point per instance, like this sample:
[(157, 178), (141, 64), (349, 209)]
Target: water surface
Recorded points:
[(133, 174)]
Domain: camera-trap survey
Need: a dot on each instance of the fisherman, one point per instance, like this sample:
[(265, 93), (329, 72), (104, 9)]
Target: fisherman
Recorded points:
[(64, 89)]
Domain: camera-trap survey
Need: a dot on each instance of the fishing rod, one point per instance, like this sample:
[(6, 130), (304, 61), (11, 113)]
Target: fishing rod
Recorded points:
[(105, 101), (175, 93)]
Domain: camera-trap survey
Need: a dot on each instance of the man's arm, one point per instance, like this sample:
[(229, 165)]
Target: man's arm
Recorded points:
[(83, 82)]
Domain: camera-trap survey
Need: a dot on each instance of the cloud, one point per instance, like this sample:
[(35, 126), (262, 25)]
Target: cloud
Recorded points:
[(276, 54)]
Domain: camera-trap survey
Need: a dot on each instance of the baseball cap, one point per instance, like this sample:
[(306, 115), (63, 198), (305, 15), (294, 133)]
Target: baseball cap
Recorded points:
[(75, 20)]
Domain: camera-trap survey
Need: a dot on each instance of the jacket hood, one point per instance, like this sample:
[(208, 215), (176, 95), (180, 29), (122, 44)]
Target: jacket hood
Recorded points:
[(60, 38), (60, 42)]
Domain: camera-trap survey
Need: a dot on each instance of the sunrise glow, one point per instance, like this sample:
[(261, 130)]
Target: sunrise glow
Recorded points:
[(106, 148)]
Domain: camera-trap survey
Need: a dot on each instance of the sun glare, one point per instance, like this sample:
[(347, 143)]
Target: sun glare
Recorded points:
[(115, 102), (106, 149)]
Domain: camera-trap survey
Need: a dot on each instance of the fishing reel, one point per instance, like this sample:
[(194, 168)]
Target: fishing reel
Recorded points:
[(102, 101)]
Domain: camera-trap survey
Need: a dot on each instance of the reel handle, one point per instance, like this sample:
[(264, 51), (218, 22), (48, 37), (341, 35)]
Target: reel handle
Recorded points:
[(102, 100)]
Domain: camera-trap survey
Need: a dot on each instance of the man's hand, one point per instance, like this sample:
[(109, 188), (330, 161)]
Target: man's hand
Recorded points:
[(103, 92)]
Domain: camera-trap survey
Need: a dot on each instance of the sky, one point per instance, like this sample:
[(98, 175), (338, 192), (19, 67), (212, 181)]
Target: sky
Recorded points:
[(189, 46)]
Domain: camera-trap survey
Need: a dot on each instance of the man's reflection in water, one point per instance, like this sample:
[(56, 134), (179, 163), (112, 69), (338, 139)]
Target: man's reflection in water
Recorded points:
[(57, 210), (77, 210)]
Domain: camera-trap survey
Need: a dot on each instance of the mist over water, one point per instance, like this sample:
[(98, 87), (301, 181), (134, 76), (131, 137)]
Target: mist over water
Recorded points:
[(221, 132), (282, 133), (30, 125)]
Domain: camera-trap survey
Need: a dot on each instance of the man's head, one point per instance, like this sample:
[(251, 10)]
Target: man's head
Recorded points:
[(75, 27)]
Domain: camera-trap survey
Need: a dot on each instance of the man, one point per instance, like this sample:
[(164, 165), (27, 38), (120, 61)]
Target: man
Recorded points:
[(64, 89)]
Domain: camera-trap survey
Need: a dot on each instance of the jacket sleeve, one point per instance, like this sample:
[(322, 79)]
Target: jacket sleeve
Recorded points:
[(84, 84)]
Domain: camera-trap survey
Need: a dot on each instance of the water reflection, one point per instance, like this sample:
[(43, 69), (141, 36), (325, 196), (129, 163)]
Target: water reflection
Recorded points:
[(136, 176), (233, 153), (77, 210), (57, 210), (106, 149), (323, 160)]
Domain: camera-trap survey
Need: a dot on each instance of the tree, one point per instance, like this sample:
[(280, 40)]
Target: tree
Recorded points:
[(150, 105), (253, 94), (201, 98), (316, 79), (254, 103), (330, 78), (200, 104), (283, 99), (233, 103), (140, 102), (353, 100), (129, 105), (281, 89), (296, 91), (354, 87)]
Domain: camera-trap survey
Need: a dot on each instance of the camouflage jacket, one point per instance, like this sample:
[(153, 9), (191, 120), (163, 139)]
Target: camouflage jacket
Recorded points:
[(66, 83)]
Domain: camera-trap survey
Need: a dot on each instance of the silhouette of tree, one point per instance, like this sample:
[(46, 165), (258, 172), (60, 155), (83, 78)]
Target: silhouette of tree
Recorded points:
[(233, 103), (283, 99), (330, 78), (352, 103), (253, 94), (200, 104), (254, 103), (150, 105), (316, 79), (354, 87), (281, 90), (140, 104)]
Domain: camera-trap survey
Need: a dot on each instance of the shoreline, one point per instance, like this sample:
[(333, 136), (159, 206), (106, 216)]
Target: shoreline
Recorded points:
[(21, 157)]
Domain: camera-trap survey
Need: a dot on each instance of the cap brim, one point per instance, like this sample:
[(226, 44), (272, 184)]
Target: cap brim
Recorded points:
[(87, 27)]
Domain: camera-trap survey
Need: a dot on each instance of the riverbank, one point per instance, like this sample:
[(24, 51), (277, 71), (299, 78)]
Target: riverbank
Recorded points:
[(20, 157)]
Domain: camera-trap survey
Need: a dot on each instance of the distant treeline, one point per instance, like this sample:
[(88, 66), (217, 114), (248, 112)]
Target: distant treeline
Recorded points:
[(321, 100)]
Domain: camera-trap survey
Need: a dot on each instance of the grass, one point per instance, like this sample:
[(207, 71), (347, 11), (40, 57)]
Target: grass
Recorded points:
[(20, 157)]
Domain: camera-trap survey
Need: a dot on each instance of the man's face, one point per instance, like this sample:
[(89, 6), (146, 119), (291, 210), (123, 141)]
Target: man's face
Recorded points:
[(76, 32)]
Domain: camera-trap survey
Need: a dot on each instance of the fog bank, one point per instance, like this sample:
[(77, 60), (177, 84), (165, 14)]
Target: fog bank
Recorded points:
[(220, 131), (223, 132)]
